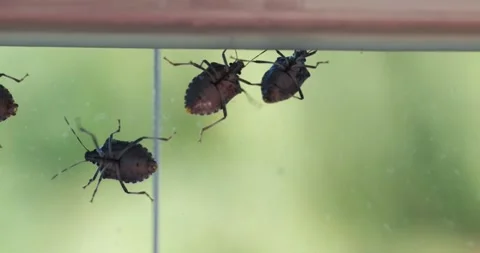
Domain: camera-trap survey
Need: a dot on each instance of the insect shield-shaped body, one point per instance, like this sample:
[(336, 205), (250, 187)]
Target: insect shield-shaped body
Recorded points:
[(8, 106), (211, 90), (124, 161), (286, 76)]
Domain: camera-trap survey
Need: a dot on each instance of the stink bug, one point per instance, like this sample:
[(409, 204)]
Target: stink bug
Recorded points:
[(286, 76), (125, 161), (211, 90), (8, 107)]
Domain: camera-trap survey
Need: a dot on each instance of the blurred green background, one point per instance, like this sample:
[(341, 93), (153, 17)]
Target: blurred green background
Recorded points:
[(381, 156)]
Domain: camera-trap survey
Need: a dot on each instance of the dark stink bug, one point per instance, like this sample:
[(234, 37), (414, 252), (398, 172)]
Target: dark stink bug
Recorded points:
[(8, 106), (124, 161), (211, 90), (286, 76)]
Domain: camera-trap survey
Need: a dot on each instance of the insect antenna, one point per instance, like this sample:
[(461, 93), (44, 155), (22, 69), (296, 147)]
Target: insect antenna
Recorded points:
[(248, 62), (311, 53), (74, 133), (69, 167)]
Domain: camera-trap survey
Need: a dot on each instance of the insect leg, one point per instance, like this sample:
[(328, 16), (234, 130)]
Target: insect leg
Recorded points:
[(135, 142), (111, 137), (224, 108), (191, 63), (98, 183), (251, 100), (255, 61), (298, 87), (93, 178), (125, 187), (13, 78), (225, 58), (261, 62), (316, 65), (129, 192), (249, 83), (94, 138)]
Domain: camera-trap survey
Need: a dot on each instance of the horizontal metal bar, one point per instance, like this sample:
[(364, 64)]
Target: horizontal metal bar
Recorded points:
[(243, 24)]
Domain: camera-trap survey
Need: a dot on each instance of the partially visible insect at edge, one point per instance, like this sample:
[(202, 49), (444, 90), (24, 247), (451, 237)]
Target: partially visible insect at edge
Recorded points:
[(286, 76), (124, 161), (8, 106), (212, 89)]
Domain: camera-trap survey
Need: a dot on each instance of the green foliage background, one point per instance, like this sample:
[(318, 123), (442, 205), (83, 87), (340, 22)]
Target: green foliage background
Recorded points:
[(381, 156)]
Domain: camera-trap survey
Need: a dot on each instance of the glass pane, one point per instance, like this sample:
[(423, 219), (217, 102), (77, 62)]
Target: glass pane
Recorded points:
[(380, 156), (99, 86)]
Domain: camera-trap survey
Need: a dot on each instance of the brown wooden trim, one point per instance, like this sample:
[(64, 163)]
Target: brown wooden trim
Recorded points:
[(407, 18)]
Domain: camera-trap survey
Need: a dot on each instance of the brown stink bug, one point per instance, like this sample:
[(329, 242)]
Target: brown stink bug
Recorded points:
[(8, 107), (286, 76), (125, 161), (212, 89)]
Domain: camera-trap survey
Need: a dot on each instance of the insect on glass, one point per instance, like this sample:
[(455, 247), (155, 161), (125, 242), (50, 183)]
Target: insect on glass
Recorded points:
[(8, 106), (212, 89), (286, 76), (124, 161)]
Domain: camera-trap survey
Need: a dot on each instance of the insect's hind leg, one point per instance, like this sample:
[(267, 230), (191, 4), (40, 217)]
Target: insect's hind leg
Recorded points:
[(224, 108), (125, 187), (13, 78), (298, 88), (138, 193)]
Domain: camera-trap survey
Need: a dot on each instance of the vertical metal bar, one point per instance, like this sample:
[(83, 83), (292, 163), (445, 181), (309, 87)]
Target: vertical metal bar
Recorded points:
[(156, 148)]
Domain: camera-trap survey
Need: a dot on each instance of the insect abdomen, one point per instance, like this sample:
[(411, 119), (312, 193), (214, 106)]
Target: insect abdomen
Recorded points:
[(277, 86), (201, 97), (136, 165)]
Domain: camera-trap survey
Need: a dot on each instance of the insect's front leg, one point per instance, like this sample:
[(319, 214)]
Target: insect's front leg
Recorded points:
[(98, 184), (111, 138), (94, 177), (135, 142), (94, 138), (196, 65)]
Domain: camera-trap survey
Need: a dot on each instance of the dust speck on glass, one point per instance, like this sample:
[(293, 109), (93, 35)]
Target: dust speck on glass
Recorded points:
[(372, 152)]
